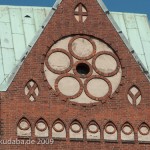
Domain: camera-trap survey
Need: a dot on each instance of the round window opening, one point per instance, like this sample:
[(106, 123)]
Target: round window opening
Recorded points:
[(83, 69)]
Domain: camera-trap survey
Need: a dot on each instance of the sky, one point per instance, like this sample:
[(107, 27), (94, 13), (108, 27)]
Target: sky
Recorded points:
[(134, 6)]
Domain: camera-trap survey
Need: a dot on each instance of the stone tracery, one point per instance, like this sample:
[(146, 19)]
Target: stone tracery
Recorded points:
[(97, 77)]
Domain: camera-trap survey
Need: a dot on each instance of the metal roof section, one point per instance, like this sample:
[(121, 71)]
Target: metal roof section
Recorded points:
[(20, 27), (134, 34), (136, 29)]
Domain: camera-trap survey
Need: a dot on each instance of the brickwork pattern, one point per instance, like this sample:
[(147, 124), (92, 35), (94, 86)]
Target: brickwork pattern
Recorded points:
[(51, 106)]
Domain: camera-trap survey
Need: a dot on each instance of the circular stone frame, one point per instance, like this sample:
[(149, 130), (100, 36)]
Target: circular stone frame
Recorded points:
[(76, 131), (91, 130), (41, 121), (98, 98), (76, 56), (108, 132), (62, 51), (73, 76), (127, 133), (144, 125), (57, 129), (102, 73), (24, 121), (80, 75)]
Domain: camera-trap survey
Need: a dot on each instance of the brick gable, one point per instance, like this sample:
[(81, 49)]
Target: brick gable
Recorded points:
[(48, 106)]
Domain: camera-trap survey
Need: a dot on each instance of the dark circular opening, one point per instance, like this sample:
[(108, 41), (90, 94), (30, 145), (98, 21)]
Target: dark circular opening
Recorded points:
[(83, 69)]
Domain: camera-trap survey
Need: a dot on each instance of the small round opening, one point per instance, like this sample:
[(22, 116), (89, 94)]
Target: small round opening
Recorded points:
[(83, 69)]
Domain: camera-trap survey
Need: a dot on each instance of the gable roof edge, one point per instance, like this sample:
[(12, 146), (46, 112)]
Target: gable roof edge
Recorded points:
[(4, 87), (143, 68)]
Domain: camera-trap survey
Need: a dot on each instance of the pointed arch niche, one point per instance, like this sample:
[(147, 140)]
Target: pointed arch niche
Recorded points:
[(110, 132), (80, 13), (144, 133), (76, 131), (23, 128), (93, 131), (41, 128), (31, 90), (127, 133), (59, 130), (134, 95)]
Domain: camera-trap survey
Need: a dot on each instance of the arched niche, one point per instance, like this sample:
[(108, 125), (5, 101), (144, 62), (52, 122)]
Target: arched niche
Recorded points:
[(23, 128), (41, 128), (58, 130), (76, 131), (93, 131)]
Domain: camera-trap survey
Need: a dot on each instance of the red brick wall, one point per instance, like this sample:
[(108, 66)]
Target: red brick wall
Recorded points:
[(48, 105)]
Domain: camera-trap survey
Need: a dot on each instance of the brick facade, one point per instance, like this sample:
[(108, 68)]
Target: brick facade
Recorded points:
[(51, 106)]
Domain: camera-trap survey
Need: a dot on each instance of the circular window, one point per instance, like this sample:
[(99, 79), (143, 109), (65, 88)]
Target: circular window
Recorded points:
[(83, 69)]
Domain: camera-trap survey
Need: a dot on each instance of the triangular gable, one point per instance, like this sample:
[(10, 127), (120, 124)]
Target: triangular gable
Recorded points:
[(51, 35), (4, 86), (78, 74)]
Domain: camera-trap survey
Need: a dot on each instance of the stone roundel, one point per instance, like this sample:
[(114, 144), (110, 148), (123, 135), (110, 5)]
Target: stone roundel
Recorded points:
[(76, 127), (59, 61), (24, 124), (93, 128), (82, 69), (144, 129), (110, 128), (97, 87), (127, 129), (106, 64), (82, 47), (41, 125), (58, 126), (69, 85)]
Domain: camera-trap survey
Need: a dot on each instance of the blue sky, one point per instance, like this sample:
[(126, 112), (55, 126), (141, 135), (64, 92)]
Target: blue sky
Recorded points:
[(137, 6)]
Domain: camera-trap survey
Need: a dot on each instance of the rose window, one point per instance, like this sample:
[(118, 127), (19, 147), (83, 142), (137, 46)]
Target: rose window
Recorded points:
[(83, 69)]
